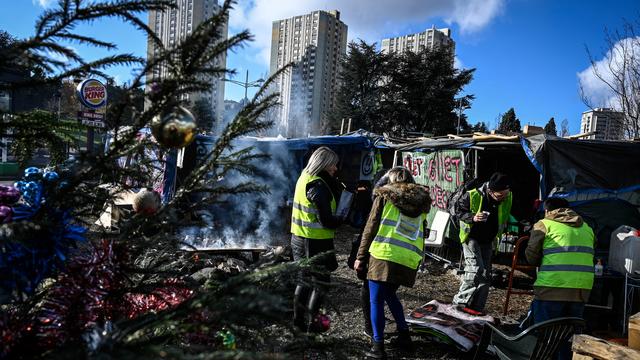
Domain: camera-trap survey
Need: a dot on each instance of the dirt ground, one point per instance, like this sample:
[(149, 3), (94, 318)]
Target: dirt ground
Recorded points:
[(435, 283)]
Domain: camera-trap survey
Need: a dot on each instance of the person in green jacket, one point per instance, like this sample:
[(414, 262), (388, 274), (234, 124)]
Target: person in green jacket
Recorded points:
[(562, 247)]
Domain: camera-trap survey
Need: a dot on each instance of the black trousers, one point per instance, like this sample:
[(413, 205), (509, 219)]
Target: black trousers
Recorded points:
[(312, 283)]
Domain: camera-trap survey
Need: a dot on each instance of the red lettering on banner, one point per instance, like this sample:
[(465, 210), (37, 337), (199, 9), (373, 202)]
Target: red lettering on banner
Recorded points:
[(456, 162), (439, 196), (441, 170), (413, 165)]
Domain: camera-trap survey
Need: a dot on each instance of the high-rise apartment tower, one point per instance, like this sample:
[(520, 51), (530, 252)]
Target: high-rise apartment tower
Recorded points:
[(174, 25), (315, 43)]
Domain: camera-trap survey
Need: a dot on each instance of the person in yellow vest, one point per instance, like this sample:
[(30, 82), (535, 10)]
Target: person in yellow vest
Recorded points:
[(394, 239), (484, 213), (313, 223), (562, 247)]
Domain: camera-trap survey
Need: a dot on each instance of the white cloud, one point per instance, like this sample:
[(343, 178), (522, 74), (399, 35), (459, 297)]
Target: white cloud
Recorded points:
[(474, 15), (366, 19), (44, 3), (595, 90)]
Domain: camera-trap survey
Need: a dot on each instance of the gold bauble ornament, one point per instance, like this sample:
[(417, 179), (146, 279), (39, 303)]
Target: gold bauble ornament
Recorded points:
[(175, 129)]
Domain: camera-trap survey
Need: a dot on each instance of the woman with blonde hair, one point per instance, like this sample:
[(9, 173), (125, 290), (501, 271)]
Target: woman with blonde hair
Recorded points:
[(393, 239), (313, 224)]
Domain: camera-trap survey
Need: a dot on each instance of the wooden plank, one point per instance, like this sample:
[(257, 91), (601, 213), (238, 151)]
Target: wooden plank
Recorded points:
[(581, 357), (602, 349), (634, 331)]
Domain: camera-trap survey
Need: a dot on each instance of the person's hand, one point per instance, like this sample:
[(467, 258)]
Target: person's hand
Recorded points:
[(357, 265), (480, 217)]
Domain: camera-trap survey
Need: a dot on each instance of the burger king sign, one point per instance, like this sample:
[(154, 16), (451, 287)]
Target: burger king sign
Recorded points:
[(92, 93)]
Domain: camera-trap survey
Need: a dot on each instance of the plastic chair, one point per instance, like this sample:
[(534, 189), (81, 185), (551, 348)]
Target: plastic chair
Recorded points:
[(516, 265), (538, 342)]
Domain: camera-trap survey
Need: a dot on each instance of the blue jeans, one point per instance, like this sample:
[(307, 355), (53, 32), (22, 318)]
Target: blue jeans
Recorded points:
[(544, 310), (379, 293)]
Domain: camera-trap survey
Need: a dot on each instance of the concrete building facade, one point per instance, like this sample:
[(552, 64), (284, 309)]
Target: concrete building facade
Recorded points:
[(430, 38), (606, 123), (315, 43), (172, 27)]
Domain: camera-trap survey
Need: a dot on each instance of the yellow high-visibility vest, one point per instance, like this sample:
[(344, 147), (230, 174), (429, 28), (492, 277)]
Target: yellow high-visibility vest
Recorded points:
[(305, 218), (400, 239)]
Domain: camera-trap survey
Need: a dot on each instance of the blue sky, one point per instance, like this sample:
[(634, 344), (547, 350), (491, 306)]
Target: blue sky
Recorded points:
[(528, 53)]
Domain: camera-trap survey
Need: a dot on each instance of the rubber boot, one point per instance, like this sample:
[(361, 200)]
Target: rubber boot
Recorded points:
[(315, 301), (376, 351), (300, 299)]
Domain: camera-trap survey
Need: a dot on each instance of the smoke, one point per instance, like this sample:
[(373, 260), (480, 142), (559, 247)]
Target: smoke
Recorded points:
[(255, 220)]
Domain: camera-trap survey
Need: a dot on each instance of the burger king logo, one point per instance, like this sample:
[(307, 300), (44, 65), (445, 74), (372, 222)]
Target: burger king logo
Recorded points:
[(92, 93)]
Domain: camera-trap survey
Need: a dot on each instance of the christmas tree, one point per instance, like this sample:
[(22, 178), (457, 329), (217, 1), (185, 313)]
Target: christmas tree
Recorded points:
[(72, 289)]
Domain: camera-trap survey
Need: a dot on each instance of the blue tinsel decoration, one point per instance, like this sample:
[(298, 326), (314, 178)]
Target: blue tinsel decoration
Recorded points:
[(24, 264)]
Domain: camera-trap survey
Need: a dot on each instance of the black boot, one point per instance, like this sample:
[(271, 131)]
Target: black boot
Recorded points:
[(376, 351), (402, 342), (300, 300)]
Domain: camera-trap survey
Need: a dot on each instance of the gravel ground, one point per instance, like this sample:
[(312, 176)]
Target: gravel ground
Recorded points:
[(435, 283)]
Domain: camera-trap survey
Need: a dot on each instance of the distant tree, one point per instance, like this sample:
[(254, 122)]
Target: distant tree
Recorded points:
[(550, 128), (6, 39), (619, 71), (363, 76), (117, 95), (421, 94), (564, 128), (401, 93), (65, 102), (465, 128), (480, 127), (509, 123)]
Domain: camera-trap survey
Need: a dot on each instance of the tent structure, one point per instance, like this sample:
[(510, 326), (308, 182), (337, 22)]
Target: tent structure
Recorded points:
[(587, 172)]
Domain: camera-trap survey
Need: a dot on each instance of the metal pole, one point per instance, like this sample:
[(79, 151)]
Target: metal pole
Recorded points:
[(459, 115), (246, 86), (342, 126)]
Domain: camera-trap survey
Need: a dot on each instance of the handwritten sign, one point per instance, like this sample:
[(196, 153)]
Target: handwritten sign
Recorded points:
[(442, 171)]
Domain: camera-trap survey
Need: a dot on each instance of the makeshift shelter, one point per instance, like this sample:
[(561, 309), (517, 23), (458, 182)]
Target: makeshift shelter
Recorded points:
[(444, 164), (601, 179), (267, 216)]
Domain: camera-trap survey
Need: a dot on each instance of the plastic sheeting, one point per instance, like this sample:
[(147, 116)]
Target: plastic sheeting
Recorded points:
[(572, 167)]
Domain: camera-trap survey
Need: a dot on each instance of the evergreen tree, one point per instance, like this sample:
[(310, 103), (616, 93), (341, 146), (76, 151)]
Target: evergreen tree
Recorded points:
[(71, 293), (509, 123), (401, 93), (480, 127), (421, 92), (360, 96), (550, 128)]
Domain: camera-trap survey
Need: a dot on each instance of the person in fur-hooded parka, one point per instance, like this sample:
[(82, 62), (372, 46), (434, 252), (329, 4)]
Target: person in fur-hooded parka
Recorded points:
[(384, 275)]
